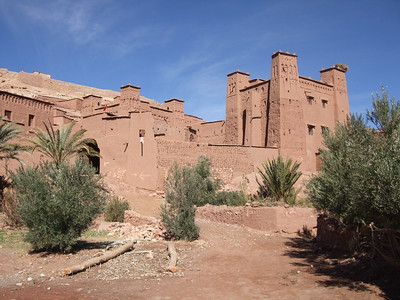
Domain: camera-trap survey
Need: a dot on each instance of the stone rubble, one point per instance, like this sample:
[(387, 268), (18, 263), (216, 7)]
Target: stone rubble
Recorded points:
[(136, 226)]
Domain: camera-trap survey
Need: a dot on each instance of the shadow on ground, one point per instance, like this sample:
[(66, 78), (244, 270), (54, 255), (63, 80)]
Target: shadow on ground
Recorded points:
[(344, 270), (79, 246)]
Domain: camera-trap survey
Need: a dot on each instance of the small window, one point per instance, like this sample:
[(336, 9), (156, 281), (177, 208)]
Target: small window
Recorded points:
[(310, 99), (324, 129), (7, 115), (324, 103), (311, 129), (141, 136), (31, 120)]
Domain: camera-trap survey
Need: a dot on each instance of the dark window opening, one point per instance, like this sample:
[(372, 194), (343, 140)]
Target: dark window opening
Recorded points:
[(324, 129), (324, 103), (244, 126), (310, 99), (7, 115), (94, 160), (311, 129), (31, 120), (141, 136)]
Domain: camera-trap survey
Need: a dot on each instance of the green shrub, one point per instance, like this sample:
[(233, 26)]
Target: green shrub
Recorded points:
[(278, 178), (10, 209), (58, 202), (359, 182), (208, 185), (115, 210), (229, 198), (178, 213)]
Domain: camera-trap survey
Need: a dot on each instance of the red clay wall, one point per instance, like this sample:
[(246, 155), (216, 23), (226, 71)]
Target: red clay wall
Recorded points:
[(21, 107), (261, 218), (228, 161)]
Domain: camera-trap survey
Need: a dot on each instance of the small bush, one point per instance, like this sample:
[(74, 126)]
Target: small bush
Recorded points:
[(8, 203), (10, 209), (115, 210), (178, 213), (229, 198), (208, 185), (278, 178), (57, 203)]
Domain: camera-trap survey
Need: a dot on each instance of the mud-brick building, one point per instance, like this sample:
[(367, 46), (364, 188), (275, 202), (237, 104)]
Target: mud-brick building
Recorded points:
[(288, 111), (139, 138)]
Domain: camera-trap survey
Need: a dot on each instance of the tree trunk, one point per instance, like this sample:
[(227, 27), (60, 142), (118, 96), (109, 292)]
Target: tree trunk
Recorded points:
[(101, 259), (173, 257)]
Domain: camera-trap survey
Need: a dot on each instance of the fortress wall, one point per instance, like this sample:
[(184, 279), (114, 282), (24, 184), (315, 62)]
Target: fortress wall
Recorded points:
[(274, 219), (192, 120), (228, 162), (212, 132), (25, 111)]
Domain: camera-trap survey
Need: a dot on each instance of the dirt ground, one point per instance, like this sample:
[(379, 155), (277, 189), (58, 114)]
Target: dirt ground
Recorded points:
[(227, 262)]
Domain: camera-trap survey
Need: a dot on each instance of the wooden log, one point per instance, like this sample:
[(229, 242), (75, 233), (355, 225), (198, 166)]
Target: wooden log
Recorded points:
[(173, 257), (101, 259)]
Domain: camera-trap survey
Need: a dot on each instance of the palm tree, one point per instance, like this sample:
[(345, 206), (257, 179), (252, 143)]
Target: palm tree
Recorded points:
[(278, 178), (9, 150), (61, 144)]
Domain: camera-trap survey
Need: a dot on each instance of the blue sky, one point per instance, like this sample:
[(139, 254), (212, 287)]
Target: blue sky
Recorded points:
[(185, 49)]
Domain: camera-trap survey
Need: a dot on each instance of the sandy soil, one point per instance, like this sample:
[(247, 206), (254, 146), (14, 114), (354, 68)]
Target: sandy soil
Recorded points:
[(227, 262)]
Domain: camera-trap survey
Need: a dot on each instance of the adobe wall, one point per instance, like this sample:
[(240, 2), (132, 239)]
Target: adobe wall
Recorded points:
[(288, 220), (192, 120), (318, 105), (25, 111), (212, 132), (254, 105), (229, 162), (129, 157)]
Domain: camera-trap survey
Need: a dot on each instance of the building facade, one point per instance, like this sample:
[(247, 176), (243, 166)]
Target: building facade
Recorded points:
[(139, 139)]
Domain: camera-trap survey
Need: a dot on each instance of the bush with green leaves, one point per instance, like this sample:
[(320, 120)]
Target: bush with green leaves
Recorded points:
[(208, 185), (57, 202), (115, 210), (278, 177), (229, 198), (359, 182), (183, 188)]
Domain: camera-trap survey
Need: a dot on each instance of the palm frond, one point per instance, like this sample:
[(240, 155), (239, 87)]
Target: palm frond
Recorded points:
[(9, 150), (278, 178), (61, 144)]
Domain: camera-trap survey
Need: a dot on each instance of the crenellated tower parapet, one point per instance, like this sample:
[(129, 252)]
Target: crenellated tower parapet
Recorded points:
[(130, 98), (336, 76), (234, 112), (90, 103), (285, 124)]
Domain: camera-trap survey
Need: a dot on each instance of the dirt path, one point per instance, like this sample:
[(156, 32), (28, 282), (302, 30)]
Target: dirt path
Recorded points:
[(228, 262)]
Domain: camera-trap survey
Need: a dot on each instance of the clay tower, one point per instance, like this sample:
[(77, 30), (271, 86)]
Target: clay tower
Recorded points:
[(286, 120)]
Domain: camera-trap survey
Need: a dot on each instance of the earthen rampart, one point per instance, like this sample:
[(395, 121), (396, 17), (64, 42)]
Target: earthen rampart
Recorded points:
[(228, 161), (275, 219), (212, 132), (24, 111)]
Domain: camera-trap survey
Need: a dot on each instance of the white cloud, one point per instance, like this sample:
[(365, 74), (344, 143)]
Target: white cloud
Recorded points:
[(77, 20), (99, 23)]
